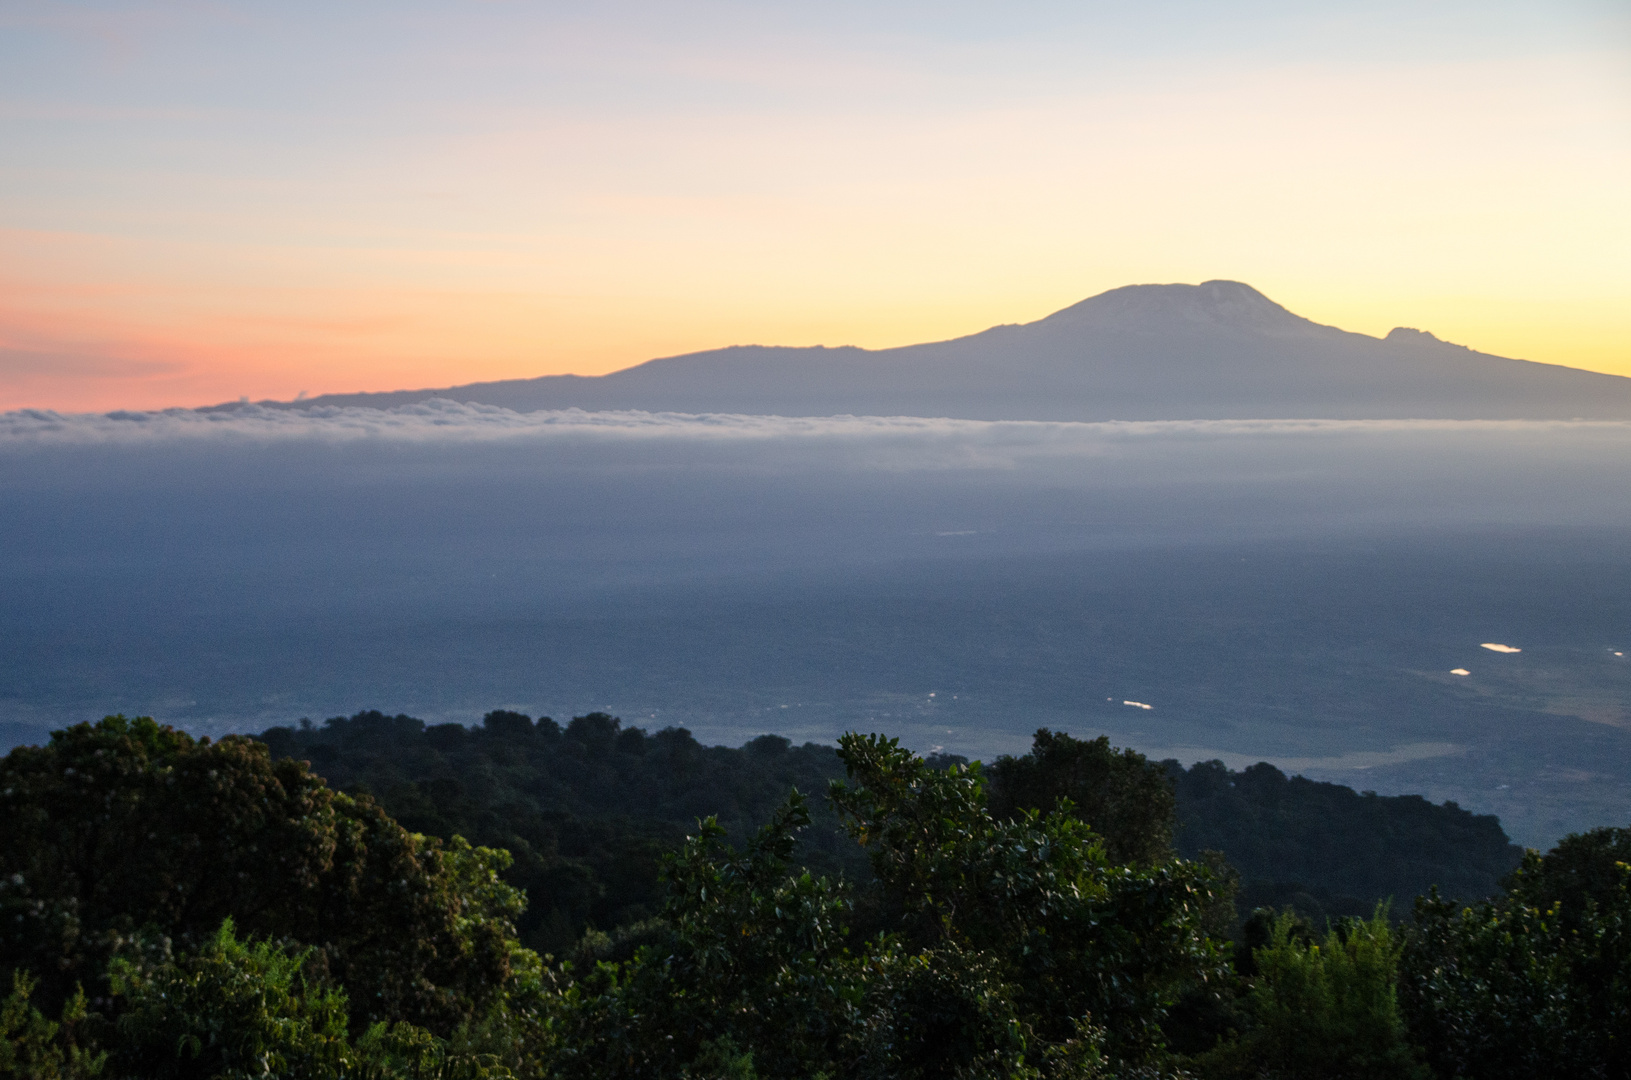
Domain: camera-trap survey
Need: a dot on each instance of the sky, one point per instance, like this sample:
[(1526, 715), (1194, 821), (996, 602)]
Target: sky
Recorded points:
[(202, 201)]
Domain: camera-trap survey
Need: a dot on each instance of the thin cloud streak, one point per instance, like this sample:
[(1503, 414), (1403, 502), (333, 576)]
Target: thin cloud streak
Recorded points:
[(440, 420)]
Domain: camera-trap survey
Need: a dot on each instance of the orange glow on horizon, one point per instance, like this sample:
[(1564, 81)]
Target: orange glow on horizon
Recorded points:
[(97, 341), (99, 349)]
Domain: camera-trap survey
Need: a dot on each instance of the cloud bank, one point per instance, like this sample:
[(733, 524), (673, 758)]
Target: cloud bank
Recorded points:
[(882, 442), (441, 419), (417, 492)]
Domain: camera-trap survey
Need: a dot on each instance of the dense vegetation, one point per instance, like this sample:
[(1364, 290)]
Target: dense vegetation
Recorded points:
[(586, 811), (1326, 849), (181, 908), (114, 829)]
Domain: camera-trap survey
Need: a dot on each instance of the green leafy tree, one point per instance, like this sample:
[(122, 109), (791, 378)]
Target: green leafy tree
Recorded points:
[(750, 972), (1329, 851), (35, 1048), (125, 828), (949, 1011), (234, 1010), (1126, 799), (587, 808), (752, 976), (1070, 937), (1322, 1008), (1536, 982), (237, 1010)]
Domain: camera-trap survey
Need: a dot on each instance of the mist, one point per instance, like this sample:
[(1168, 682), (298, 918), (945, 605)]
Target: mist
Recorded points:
[(412, 501)]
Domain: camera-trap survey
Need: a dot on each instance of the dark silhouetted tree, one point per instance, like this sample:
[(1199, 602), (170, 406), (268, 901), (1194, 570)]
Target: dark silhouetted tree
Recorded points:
[(125, 827), (1123, 797)]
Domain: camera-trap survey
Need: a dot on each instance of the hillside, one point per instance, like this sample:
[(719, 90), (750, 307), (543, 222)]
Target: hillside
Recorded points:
[(588, 808), (1219, 350)]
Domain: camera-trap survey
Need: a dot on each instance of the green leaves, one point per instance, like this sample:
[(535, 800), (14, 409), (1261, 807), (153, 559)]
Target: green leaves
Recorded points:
[(1007, 944), (1065, 937), (1324, 1009), (1127, 800), (1537, 982), (125, 827), (237, 1010), (35, 1048), (754, 958)]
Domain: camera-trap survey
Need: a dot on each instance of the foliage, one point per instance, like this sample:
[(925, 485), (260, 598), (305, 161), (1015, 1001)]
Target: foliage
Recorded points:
[(35, 1048), (1322, 1009), (1016, 948), (1072, 937), (126, 827), (232, 1010), (588, 810), (240, 1010), (988, 929), (753, 958), (1536, 982), (1328, 850), (1127, 800)]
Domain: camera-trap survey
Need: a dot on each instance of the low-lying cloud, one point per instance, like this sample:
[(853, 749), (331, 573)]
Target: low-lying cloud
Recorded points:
[(313, 503), (445, 420), (432, 468), (1221, 447)]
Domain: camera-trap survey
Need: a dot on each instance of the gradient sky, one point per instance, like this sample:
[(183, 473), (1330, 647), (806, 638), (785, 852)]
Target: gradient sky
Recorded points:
[(207, 200)]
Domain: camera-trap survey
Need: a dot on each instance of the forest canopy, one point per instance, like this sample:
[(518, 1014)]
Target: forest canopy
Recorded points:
[(188, 908), (586, 810)]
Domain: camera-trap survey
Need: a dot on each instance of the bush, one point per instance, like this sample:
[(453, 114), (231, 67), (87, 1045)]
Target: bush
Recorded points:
[(240, 1010), (34, 1048), (1323, 1009), (751, 956)]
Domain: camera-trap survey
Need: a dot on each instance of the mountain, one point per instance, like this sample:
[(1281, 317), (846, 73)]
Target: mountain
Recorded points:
[(1218, 350)]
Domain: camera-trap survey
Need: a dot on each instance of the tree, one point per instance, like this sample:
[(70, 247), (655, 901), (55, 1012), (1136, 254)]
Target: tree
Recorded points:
[(587, 809), (1330, 851), (35, 1048), (1322, 1008), (751, 972), (125, 827), (1069, 936), (232, 1010), (1014, 948), (238, 1010), (1536, 982), (1127, 800)]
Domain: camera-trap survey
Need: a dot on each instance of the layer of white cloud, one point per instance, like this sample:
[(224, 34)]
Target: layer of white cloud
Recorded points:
[(445, 483), (445, 420)]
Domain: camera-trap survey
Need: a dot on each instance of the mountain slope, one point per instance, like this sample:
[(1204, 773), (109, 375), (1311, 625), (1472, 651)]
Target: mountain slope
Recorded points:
[(1218, 350)]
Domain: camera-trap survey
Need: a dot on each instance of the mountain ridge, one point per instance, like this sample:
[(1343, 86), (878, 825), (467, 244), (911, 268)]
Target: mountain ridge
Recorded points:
[(1217, 350)]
